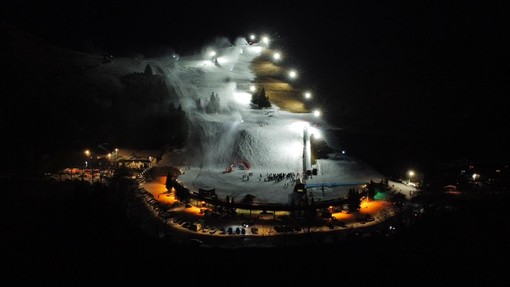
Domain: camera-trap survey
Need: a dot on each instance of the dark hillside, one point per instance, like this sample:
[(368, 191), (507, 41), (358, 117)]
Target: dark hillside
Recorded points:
[(58, 100)]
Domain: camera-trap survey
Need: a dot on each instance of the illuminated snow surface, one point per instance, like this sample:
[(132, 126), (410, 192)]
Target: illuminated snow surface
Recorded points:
[(269, 141)]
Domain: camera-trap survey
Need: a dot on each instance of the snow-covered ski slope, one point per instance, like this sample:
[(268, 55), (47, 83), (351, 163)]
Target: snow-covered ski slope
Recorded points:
[(252, 141)]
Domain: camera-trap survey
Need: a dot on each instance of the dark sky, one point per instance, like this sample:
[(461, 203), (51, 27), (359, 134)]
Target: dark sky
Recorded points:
[(420, 44), (436, 67)]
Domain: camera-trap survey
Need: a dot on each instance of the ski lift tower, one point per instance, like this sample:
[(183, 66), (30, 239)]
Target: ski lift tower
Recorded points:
[(307, 151)]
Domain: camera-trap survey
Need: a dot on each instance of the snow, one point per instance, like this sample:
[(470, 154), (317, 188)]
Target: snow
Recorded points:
[(269, 140)]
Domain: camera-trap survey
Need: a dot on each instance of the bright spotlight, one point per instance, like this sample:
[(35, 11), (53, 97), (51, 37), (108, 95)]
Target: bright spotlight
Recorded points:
[(252, 88), (212, 54), (292, 74), (277, 56), (242, 98), (308, 95), (265, 40), (221, 60), (317, 113), (252, 37), (298, 126)]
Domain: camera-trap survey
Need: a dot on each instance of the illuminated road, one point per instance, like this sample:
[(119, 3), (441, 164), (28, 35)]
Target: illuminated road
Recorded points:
[(267, 234)]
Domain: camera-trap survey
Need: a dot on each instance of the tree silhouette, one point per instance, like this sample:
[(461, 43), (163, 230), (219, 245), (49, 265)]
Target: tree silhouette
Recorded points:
[(353, 200), (260, 99), (169, 181), (214, 104), (182, 194), (148, 70), (199, 105), (248, 199)]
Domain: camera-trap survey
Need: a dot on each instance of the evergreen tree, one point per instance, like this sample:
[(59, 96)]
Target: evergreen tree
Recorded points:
[(254, 99), (248, 199), (264, 99), (217, 103), (182, 194), (148, 70), (260, 99), (353, 200), (169, 181), (214, 104), (371, 189), (199, 105)]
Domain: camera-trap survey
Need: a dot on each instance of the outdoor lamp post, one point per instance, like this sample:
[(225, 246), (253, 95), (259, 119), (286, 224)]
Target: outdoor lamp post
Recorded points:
[(87, 155), (411, 174)]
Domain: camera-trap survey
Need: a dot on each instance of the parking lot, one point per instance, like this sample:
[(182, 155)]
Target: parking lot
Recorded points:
[(200, 223)]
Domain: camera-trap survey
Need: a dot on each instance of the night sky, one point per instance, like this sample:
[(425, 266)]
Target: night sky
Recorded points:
[(428, 73)]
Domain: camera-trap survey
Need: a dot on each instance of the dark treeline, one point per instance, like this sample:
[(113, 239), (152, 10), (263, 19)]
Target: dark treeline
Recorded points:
[(53, 106)]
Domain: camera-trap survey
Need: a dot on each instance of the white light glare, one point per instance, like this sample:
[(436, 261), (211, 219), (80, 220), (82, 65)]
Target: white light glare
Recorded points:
[(308, 95), (277, 56), (265, 40), (317, 113), (242, 98), (316, 135), (252, 37), (298, 126), (292, 74), (252, 88), (222, 60), (212, 53)]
